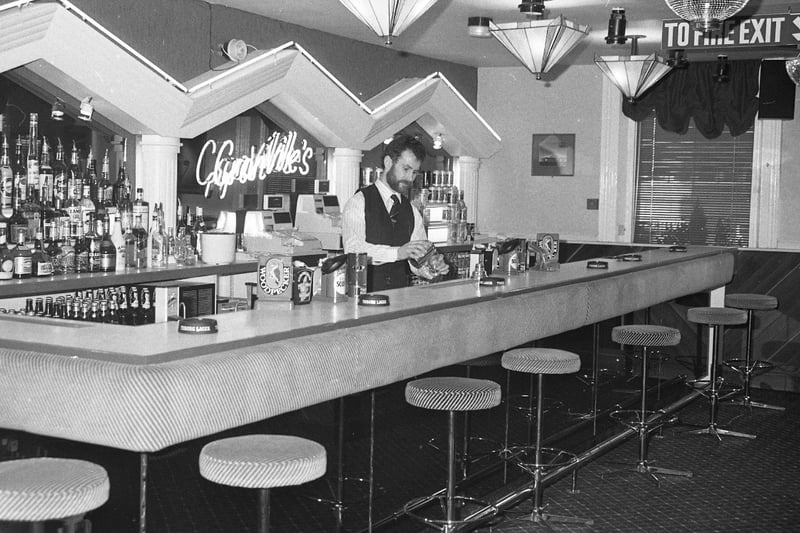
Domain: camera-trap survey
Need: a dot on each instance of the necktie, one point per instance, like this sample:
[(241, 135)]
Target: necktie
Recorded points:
[(394, 212)]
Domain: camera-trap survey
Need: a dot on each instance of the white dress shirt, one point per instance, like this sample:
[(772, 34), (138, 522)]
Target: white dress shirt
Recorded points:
[(354, 233)]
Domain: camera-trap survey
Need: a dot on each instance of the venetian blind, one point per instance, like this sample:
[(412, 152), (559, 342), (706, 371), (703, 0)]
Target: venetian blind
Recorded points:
[(692, 190)]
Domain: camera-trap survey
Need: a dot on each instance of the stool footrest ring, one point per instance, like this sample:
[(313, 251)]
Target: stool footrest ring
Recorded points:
[(413, 507), (741, 366), (525, 458)]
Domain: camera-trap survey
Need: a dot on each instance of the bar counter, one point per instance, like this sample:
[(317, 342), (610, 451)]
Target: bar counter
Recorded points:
[(148, 387)]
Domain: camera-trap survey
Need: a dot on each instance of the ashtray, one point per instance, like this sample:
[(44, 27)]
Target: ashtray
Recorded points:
[(597, 264), (492, 281), (197, 325), (632, 257), (677, 248), (373, 299)]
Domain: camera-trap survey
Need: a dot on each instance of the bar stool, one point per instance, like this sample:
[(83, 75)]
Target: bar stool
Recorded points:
[(541, 361), (262, 462), (47, 488), (716, 318), (645, 336), (450, 394), (747, 367), (467, 456)]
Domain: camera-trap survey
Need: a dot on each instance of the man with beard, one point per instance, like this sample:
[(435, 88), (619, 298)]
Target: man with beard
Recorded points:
[(380, 221)]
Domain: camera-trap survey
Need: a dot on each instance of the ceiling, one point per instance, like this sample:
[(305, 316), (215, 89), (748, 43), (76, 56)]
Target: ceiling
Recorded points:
[(441, 32)]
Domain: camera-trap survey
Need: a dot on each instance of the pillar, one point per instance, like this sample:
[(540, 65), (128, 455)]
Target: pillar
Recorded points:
[(344, 170), (466, 178), (157, 172)]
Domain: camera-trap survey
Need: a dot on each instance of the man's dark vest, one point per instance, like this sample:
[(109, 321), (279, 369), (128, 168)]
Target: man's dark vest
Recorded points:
[(381, 230)]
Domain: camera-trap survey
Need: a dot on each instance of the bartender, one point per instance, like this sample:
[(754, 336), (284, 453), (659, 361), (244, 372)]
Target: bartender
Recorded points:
[(380, 221)]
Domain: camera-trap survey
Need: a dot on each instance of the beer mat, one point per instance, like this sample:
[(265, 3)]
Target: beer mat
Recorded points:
[(597, 264), (632, 257), (492, 281), (197, 325), (373, 299), (677, 248)]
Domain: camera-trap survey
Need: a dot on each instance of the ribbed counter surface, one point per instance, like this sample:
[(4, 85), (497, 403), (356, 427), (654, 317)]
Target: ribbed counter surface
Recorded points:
[(145, 388)]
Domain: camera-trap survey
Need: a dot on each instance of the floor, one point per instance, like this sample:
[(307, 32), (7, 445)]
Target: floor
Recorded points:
[(737, 484)]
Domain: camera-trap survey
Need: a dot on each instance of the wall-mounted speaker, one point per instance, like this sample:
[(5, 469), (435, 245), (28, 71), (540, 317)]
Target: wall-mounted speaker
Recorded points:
[(776, 91)]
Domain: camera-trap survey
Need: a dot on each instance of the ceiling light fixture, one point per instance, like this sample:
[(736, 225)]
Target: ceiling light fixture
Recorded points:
[(677, 58), (388, 18), (706, 15), (793, 69), (633, 74), (437, 141), (539, 44), (86, 110), (58, 109), (478, 27), (532, 8)]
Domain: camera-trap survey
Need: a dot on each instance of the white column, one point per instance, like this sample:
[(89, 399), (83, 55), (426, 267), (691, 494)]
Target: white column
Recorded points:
[(344, 170), (766, 184), (466, 177), (157, 172)]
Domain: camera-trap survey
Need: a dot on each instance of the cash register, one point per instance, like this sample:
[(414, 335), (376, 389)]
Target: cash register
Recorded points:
[(272, 231), (319, 215)]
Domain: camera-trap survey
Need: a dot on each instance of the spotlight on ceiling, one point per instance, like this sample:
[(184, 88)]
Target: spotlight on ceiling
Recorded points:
[(437, 141), (478, 27), (235, 50), (532, 8), (677, 59), (721, 72), (86, 110), (57, 111)]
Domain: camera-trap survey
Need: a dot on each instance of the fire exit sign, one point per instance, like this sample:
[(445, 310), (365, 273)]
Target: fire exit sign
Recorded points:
[(755, 31)]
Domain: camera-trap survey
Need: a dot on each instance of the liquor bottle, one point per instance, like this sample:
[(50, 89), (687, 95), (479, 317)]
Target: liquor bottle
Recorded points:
[(157, 244), (199, 228), (122, 192), (22, 257), (91, 241), (119, 243), (60, 175), (88, 205), (18, 220), (32, 209), (134, 313), (81, 254), (113, 312), (122, 294), (41, 265), (6, 259), (66, 260), (147, 311), (103, 311), (53, 249), (108, 250), (6, 185), (105, 188), (46, 180), (74, 191), (141, 208), (136, 245)]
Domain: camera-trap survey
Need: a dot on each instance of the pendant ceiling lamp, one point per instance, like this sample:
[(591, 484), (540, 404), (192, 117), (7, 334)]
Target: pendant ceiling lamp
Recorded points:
[(793, 69), (388, 18), (539, 44), (707, 15), (633, 74)]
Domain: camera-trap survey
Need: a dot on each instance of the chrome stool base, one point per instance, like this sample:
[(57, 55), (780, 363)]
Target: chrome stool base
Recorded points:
[(748, 369), (746, 402), (714, 431), (647, 468)]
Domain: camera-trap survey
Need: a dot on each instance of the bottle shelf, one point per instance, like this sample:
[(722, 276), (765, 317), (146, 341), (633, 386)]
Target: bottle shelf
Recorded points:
[(71, 282)]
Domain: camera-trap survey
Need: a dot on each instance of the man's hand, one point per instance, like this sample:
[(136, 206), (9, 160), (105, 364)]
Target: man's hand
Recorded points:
[(413, 250)]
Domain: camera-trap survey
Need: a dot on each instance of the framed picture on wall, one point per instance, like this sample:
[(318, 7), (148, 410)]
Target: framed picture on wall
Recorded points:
[(553, 154)]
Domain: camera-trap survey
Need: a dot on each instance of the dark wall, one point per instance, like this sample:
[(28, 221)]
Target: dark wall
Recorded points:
[(181, 36)]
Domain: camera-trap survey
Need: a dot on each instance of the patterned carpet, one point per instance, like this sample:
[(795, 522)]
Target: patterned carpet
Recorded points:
[(738, 484)]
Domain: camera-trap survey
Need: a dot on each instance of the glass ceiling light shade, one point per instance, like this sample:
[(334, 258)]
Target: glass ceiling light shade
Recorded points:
[(793, 69), (539, 44), (707, 15), (388, 18), (633, 74)]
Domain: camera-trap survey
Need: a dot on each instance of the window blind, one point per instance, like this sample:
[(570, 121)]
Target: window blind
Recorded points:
[(692, 190)]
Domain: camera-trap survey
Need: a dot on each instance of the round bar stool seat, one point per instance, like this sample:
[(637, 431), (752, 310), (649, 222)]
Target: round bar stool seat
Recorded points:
[(451, 394), (541, 361), (262, 462), (716, 318), (748, 367), (48, 488), (645, 336)]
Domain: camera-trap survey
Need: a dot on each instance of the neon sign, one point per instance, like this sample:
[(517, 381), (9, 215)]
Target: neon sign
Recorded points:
[(280, 154)]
